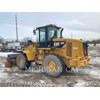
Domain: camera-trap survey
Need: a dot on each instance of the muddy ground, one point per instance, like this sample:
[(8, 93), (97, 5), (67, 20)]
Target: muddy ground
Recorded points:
[(86, 77)]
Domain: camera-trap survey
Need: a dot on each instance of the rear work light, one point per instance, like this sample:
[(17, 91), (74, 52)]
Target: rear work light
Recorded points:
[(84, 51)]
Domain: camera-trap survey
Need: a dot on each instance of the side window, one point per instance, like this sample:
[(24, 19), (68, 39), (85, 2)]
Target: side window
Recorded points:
[(42, 35), (52, 33)]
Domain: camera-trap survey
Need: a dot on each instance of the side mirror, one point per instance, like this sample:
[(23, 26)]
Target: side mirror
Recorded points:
[(34, 32), (61, 32)]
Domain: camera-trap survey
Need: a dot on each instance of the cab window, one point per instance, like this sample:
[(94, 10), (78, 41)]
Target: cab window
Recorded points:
[(42, 35), (53, 33)]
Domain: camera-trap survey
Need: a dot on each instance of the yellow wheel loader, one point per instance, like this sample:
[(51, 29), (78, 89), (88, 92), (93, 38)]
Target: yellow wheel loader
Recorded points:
[(54, 52)]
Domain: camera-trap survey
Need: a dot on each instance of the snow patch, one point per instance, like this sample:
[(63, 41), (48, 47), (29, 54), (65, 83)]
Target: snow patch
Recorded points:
[(94, 72), (80, 83), (3, 75), (3, 65), (95, 60), (42, 81)]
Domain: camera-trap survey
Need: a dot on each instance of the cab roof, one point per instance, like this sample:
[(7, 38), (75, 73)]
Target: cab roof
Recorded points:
[(49, 25)]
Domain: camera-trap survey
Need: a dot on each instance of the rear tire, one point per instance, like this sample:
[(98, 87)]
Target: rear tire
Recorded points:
[(55, 60), (22, 63)]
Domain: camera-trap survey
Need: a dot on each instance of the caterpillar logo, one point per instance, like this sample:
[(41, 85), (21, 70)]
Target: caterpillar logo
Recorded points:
[(59, 43)]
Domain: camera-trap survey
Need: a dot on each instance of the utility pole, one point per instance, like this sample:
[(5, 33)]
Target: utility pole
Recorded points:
[(71, 35), (16, 28)]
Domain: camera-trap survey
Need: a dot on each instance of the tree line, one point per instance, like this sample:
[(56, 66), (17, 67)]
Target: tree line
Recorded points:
[(94, 41), (2, 40)]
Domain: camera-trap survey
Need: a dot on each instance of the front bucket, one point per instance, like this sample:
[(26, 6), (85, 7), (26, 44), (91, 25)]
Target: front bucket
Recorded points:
[(8, 63)]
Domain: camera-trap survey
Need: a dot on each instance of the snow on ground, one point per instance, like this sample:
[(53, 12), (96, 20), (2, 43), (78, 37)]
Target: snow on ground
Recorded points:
[(94, 72), (93, 68), (42, 81), (95, 60), (83, 77), (80, 83), (3, 75)]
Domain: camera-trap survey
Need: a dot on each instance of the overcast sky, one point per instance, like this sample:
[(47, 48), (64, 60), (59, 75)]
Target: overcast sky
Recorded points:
[(81, 25)]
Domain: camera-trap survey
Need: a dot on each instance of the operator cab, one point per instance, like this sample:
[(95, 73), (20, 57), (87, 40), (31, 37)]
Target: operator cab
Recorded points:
[(47, 33)]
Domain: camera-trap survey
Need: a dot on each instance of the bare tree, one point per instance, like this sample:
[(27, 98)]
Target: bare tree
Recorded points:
[(1, 39), (26, 39)]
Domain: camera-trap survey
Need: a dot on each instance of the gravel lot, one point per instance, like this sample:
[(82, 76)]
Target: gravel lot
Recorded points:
[(87, 77)]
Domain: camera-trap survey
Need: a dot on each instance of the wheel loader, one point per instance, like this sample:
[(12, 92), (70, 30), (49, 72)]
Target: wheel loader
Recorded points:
[(55, 53)]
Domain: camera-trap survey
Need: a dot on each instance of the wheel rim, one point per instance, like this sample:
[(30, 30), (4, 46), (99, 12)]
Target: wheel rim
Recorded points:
[(21, 61), (51, 65)]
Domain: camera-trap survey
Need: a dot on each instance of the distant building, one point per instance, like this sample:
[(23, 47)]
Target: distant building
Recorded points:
[(94, 44), (91, 45), (98, 45), (1, 44), (13, 45)]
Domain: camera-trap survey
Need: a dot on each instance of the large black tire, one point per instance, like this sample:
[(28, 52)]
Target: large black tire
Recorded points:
[(22, 66), (58, 62)]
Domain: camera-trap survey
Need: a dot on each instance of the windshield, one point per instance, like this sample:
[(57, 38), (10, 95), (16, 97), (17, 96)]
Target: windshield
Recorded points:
[(53, 33)]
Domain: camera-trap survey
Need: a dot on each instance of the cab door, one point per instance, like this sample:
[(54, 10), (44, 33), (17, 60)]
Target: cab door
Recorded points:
[(42, 38)]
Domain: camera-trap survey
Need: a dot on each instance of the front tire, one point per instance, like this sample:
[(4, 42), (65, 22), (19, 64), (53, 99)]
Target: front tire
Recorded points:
[(53, 65), (22, 63)]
